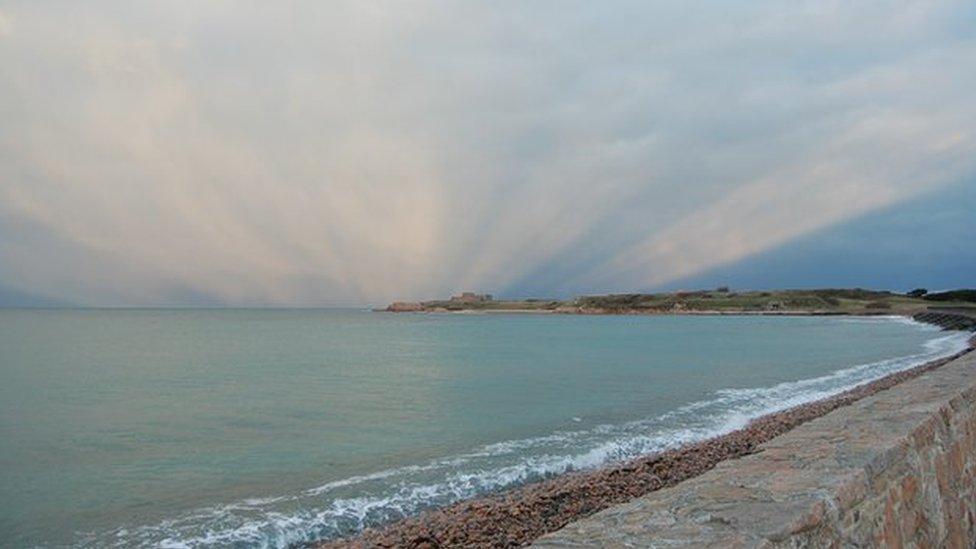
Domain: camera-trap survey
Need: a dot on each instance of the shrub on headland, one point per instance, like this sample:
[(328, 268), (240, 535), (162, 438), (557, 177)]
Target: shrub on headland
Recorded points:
[(852, 293), (953, 295)]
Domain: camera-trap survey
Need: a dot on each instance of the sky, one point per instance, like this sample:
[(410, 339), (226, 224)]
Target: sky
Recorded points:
[(308, 153)]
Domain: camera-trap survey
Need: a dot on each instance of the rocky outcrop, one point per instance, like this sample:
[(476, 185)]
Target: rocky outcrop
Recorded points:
[(405, 307), (947, 320)]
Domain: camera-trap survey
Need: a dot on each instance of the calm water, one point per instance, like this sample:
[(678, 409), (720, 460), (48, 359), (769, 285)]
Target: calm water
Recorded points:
[(247, 428)]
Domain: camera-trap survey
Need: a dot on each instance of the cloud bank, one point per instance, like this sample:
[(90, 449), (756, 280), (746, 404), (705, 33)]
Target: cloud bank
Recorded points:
[(310, 153)]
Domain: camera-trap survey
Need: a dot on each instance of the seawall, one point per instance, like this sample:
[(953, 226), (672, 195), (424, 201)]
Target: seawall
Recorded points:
[(895, 469)]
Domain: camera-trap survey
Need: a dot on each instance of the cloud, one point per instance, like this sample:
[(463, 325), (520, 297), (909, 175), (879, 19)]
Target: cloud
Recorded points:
[(309, 153), (922, 241), (880, 157)]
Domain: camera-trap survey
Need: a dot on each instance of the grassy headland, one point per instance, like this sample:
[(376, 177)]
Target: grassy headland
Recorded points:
[(721, 301)]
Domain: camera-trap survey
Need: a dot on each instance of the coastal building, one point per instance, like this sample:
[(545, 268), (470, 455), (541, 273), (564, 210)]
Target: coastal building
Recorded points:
[(471, 297)]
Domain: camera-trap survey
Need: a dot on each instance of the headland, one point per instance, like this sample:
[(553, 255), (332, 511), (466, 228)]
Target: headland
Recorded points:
[(828, 301)]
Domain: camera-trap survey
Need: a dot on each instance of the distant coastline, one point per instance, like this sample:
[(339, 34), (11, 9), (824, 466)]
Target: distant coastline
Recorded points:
[(721, 301)]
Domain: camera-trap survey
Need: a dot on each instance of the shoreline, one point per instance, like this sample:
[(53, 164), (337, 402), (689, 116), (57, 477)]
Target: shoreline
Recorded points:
[(519, 515)]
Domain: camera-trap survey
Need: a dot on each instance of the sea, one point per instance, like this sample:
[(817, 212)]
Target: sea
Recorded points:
[(271, 428)]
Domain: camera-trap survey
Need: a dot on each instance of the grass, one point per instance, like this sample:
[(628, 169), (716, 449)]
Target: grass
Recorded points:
[(825, 301)]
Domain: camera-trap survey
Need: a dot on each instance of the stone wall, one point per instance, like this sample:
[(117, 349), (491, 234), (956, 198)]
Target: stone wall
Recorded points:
[(896, 469)]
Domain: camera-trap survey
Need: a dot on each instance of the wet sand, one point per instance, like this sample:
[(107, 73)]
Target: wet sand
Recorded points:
[(518, 516)]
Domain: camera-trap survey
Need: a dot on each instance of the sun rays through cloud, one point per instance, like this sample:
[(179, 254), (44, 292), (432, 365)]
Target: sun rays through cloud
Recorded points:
[(306, 153)]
